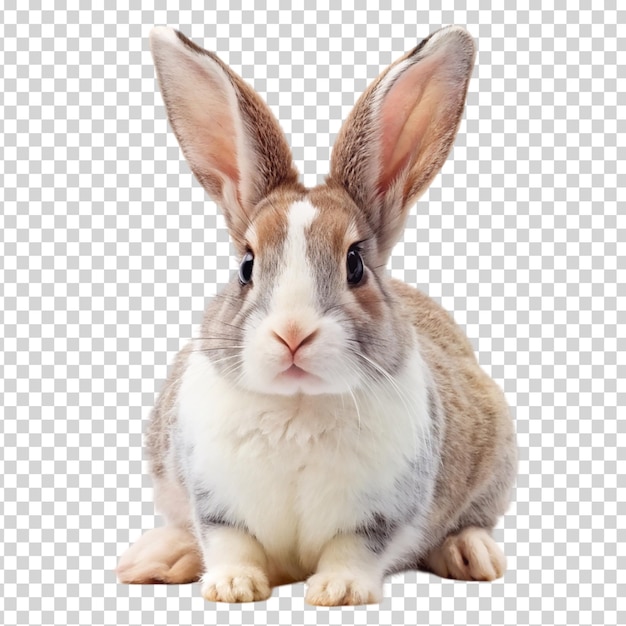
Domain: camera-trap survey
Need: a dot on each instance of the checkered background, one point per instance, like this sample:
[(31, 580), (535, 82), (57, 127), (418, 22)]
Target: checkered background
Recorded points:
[(110, 251)]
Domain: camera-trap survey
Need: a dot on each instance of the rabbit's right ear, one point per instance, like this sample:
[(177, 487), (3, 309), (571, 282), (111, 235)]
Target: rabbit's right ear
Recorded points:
[(401, 130), (228, 135)]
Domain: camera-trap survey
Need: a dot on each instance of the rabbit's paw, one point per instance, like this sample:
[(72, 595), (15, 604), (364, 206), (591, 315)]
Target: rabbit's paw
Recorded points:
[(342, 588), (235, 583), (470, 555), (167, 555)]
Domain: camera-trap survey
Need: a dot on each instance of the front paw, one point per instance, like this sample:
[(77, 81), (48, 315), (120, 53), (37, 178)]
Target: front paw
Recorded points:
[(235, 583), (342, 588)]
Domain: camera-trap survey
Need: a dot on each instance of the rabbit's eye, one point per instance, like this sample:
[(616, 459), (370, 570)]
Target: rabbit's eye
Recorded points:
[(354, 266), (245, 269)]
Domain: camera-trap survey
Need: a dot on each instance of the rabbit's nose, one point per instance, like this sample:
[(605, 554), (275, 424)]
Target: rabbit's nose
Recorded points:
[(294, 337)]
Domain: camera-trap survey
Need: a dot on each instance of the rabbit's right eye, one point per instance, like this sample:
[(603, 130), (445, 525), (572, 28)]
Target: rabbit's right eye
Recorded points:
[(245, 269), (354, 265)]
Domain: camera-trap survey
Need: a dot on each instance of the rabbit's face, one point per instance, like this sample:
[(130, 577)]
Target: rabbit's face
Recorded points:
[(314, 315)]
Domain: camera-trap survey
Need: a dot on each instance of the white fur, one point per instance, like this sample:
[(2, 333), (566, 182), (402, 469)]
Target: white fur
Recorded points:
[(295, 288), (347, 573), (238, 568), (297, 470)]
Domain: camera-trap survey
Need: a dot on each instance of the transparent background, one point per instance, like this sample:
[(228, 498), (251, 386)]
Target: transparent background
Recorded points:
[(110, 251)]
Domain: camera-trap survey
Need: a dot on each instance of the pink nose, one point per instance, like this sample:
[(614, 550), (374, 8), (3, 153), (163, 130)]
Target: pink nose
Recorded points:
[(294, 337)]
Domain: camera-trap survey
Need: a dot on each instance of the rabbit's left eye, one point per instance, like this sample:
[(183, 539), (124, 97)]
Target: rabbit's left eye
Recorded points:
[(245, 269), (354, 266)]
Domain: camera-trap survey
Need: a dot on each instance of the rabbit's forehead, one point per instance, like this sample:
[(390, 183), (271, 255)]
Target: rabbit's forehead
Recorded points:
[(310, 267), (309, 223), (304, 229), (300, 245)]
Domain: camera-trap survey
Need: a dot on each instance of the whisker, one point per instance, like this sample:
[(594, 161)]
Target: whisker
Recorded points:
[(231, 297), (218, 348), (409, 405), (230, 325), (233, 368), (226, 358), (240, 376), (215, 338), (383, 371), (343, 305), (356, 406), (224, 341), (224, 323), (369, 341)]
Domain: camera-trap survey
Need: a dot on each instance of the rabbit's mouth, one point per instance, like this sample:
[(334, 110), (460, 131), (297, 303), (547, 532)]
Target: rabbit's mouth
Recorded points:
[(295, 372), (295, 379)]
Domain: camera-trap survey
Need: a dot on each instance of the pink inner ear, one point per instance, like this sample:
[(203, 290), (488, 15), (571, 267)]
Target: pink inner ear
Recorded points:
[(218, 148), (205, 123), (407, 110)]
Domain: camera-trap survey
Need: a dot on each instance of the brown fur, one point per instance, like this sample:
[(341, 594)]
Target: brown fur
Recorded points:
[(346, 224), (268, 229), (479, 455)]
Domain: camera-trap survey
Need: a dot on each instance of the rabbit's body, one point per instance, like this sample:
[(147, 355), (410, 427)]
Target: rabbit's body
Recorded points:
[(300, 469), (329, 423)]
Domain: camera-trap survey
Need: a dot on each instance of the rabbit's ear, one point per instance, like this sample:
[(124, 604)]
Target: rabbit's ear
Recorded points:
[(401, 130), (228, 135)]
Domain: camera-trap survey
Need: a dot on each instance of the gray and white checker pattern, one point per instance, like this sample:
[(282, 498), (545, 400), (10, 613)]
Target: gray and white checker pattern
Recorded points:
[(110, 251)]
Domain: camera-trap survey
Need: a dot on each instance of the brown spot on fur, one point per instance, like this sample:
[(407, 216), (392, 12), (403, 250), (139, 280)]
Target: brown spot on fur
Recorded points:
[(338, 215), (368, 298), (269, 227), (340, 223), (343, 224)]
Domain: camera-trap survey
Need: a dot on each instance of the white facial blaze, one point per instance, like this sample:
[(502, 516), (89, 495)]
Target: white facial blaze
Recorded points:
[(295, 286), (294, 305)]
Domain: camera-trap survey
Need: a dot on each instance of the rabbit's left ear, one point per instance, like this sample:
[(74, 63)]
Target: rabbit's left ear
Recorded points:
[(401, 130), (228, 135)]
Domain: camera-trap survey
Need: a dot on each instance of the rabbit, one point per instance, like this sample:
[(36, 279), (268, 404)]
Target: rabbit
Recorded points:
[(330, 424)]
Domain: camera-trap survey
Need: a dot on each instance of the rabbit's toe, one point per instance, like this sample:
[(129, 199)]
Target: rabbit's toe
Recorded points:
[(236, 583), (470, 555), (342, 588)]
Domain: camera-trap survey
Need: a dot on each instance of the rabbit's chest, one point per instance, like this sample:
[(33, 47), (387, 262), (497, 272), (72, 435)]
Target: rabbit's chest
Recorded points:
[(294, 473)]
